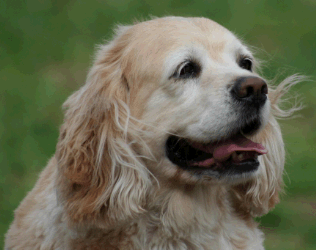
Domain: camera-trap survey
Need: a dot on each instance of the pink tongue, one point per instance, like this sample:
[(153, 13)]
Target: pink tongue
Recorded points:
[(223, 150)]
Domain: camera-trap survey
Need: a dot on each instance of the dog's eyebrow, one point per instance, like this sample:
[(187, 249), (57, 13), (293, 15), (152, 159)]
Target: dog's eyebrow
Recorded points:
[(181, 55), (243, 53), (250, 57)]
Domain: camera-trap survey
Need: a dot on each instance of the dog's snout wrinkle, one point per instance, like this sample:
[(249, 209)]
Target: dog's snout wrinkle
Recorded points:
[(253, 90)]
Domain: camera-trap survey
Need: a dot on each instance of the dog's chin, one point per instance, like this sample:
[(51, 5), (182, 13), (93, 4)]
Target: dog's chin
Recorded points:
[(234, 158)]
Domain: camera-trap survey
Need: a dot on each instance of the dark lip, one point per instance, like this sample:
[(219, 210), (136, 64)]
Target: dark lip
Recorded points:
[(226, 169), (251, 127), (180, 152)]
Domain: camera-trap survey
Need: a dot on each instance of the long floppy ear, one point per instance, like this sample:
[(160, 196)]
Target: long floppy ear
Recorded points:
[(261, 194), (101, 180)]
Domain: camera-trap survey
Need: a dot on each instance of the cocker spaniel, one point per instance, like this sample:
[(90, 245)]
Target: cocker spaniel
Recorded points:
[(172, 143)]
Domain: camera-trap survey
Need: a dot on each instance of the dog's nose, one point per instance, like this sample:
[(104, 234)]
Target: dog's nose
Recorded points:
[(250, 89)]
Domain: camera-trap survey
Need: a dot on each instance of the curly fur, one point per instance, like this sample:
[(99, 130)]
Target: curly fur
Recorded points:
[(109, 185)]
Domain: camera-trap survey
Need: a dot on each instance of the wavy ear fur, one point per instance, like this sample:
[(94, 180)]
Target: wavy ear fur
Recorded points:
[(95, 150), (261, 194)]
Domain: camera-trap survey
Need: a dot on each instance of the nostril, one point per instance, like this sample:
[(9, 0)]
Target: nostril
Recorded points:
[(264, 89), (249, 91)]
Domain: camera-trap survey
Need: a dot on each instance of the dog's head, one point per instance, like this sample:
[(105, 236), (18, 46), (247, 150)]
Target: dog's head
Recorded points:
[(169, 100), (205, 101)]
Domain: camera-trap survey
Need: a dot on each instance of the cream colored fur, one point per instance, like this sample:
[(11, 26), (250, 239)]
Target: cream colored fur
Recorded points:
[(110, 185)]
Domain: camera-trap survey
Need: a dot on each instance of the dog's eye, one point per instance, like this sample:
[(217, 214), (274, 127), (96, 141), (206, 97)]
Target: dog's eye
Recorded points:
[(246, 63), (188, 69)]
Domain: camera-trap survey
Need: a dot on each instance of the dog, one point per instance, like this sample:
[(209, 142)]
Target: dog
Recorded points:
[(172, 143)]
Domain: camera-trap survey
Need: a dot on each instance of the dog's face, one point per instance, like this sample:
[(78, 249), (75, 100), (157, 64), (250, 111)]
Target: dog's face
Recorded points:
[(176, 99), (193, 83)]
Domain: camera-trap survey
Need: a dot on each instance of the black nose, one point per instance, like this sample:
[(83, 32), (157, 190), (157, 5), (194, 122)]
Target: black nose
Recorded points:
[(251, 90)]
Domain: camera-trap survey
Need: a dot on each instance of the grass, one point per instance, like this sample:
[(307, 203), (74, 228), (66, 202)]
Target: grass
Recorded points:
[(45, 52)]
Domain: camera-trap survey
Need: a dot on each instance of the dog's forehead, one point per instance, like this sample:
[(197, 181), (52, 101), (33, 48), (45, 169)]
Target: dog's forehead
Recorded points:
[(174, 31), (154, 49), (157, 39), (180, 27)]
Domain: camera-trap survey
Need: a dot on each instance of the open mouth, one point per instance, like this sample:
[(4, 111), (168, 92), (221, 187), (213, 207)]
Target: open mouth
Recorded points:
[(235, 155)]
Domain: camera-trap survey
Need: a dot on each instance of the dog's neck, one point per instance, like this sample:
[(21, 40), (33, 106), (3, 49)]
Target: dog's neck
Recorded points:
[(186, 205), (186, 217)]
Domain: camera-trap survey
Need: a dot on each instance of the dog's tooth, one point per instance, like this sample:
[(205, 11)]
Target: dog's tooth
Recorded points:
[(234, 156), (241, 156)]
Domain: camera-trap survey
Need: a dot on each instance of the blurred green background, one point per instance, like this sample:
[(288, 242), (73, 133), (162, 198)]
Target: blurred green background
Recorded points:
[(46, 48)]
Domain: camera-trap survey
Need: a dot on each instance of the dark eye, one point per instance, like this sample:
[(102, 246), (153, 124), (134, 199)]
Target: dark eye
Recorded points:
[(188, 69), (245, 63)]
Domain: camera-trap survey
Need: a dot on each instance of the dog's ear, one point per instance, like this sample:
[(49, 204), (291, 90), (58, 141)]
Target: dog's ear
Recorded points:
[(101, 180), (259, 195)]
